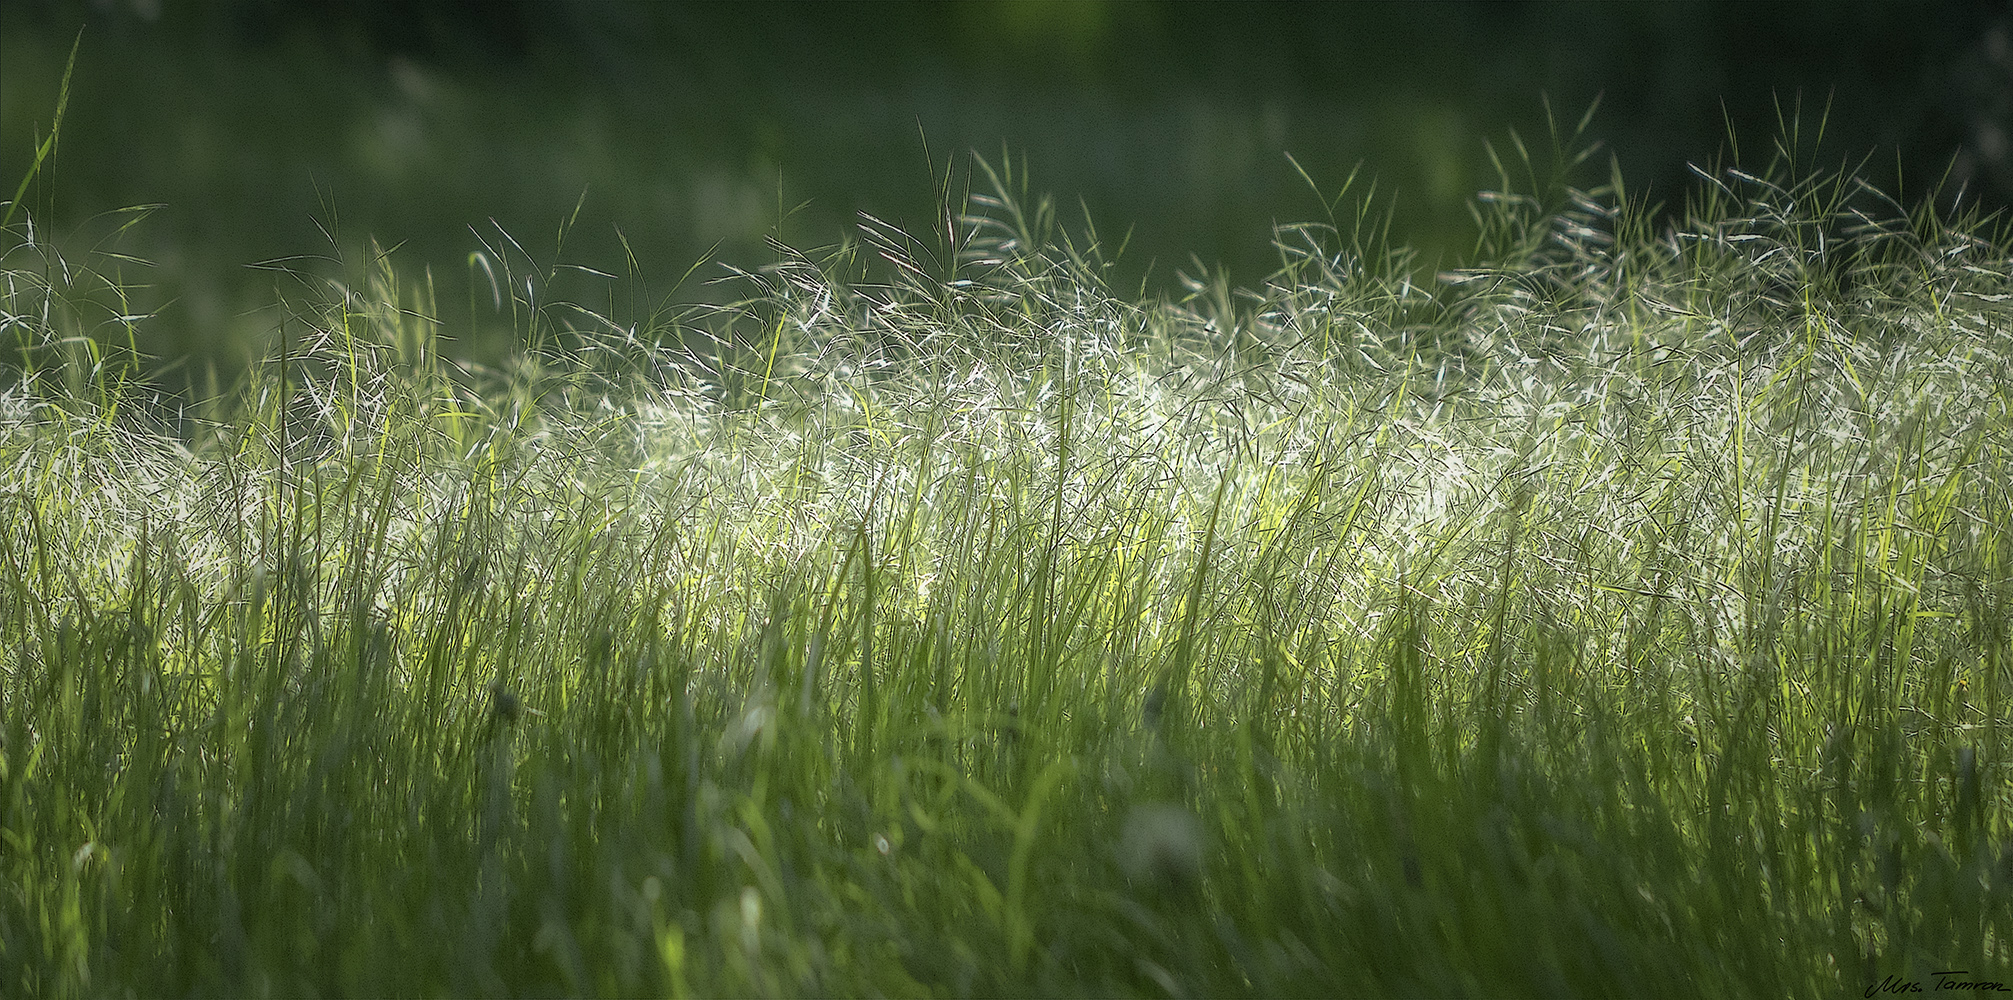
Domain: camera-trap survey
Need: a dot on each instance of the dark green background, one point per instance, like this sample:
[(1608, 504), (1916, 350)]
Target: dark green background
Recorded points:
[(255, 124)]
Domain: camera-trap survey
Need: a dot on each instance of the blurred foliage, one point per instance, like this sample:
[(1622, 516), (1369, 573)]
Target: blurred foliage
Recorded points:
[(263, 126)]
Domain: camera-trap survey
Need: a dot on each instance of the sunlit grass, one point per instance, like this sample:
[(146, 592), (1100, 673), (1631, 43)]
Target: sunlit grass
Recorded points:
[(1625, 614)]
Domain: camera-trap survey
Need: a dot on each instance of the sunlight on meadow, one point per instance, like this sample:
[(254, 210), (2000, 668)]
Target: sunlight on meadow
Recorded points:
[(1570, 589), (1623, 610)]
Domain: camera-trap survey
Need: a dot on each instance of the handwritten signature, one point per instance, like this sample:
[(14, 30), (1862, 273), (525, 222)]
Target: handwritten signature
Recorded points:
[(1955, 979)]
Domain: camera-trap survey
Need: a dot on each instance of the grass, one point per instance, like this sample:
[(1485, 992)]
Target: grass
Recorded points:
[(1626, 614)]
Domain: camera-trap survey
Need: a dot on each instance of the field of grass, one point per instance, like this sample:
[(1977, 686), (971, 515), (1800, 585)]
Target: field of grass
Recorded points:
[(1625, 614)]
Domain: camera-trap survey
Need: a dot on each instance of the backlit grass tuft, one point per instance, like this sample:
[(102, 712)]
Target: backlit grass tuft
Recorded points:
[(1623, 614)]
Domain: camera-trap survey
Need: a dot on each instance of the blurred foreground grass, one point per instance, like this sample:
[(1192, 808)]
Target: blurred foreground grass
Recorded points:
[(1627, 614)]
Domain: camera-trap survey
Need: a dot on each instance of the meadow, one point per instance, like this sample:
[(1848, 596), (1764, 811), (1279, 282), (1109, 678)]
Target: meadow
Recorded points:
[(1623, 613)]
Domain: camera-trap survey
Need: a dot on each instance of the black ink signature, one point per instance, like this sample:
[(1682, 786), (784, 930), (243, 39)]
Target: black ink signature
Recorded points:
[(1954, 979)]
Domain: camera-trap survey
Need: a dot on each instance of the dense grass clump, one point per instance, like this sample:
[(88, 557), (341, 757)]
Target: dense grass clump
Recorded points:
[(1626, 614)]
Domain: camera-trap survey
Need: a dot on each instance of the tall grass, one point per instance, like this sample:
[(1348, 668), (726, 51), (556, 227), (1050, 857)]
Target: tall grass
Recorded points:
[(1626, 614)]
